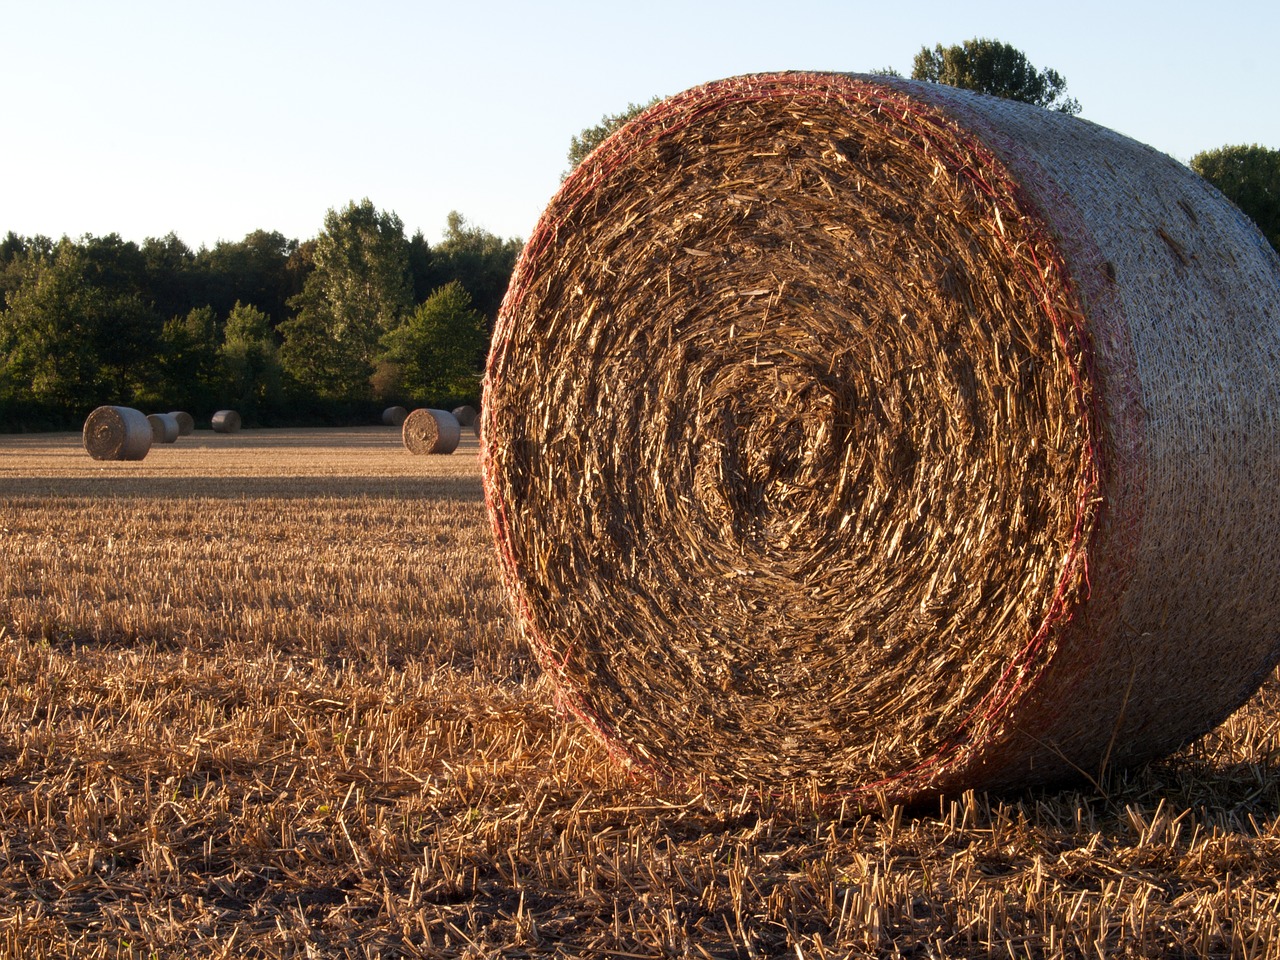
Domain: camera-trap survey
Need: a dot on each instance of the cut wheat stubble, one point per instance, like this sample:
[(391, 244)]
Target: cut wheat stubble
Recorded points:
[(828, 437)]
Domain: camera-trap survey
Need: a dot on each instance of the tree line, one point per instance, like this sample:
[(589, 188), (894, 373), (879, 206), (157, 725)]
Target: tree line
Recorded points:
[(327, 330), (330, 329)]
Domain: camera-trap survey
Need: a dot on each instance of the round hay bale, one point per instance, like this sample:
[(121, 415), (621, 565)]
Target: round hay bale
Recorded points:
[(225, 421), (466, 415), (882, 435), (117, 433), (431, 431), (164, 427), (186, 423), (394, 416)]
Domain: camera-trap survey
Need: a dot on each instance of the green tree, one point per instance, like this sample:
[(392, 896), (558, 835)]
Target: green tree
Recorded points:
[(189, 365), (1249, 176), (992, 67), (479, 260), (48, 331), (250, 361), (264, 269), (169, 275), (592, 137), (358, 291), (434, 350), (78, 328)]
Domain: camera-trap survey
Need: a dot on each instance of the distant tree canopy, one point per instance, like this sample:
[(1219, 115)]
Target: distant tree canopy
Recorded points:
[(992, 67), (284, 331), (592, 137), (1249, 176)]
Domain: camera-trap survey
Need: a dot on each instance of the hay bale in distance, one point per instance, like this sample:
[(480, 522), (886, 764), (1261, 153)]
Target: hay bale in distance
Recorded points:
[(885, 435), (225, 421), (164, 427), (186, 422), (117, 433), (394, 416), (431, 431), (466, 415)]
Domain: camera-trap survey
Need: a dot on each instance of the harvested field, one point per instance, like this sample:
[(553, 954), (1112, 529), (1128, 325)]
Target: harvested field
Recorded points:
[(280, 708)]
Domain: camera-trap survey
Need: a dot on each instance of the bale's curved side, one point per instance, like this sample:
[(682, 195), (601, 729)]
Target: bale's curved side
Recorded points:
[(164, 427), (394, 416), (225, 421), (186, 422), (466, 415), (117, 433), (886, 435), (431, 431)]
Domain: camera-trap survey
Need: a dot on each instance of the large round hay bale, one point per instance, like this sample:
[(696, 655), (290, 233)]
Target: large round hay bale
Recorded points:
[(394, 416), (164, 427), (225, 421), (879, 434), (186, 423), (466, 415), (117, 433), (431, 431)]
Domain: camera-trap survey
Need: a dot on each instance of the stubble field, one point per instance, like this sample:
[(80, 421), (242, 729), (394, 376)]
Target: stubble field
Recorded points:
[(261, 695)]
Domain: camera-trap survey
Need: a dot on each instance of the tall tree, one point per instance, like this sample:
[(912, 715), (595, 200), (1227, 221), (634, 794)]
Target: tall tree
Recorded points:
[(992, 67), (592, 137), (262, 269), (1249, 176), (189, 371), (477, 259), (434, 350), (168, 267), (250, 361), (358, 291), (49, 331)]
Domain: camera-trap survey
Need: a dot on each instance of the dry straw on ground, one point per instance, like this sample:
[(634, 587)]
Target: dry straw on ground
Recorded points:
[(394, 416), (431, 431), (117, 433), (186, 422), (888, 436), (284, 712), (164, 427), (225, 421)]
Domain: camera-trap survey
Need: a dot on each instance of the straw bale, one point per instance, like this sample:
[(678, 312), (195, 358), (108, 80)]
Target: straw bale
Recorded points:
[(164, 427), (225, 421), (117, 433), (186, 423), (394, 416), (882, 435), (466, 415), (431, 431)]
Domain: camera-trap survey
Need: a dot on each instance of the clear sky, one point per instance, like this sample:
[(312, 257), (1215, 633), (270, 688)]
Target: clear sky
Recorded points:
[(213, 119)]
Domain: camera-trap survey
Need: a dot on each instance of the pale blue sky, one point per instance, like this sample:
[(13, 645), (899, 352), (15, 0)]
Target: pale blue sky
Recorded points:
[(213, 119)]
